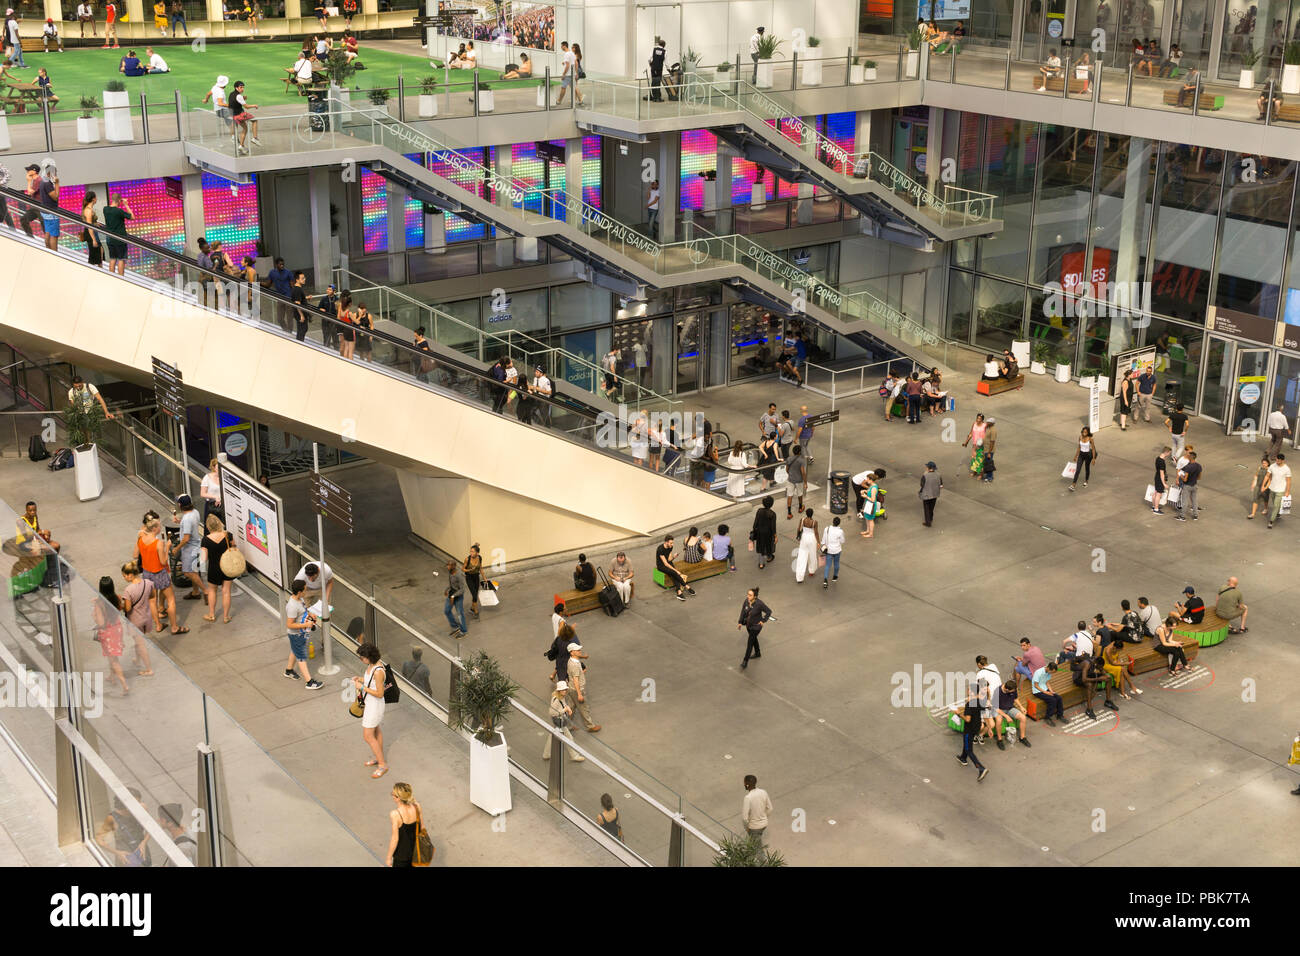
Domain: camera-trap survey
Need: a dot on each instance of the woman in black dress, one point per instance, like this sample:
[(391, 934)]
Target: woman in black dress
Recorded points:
[(405, 817), (216, 543), (365, 323), (94, 248), (769, 456), (1125, 400), (764, 533), (473, 567)]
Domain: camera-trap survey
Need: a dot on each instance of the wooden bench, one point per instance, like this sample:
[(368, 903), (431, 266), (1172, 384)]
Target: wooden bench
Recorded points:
[(692, 572), (1288, 112), (34, 44), (575, 602), (1145, 659), (993, 387), (1056, 84), (1212, 630), (1208, 102)]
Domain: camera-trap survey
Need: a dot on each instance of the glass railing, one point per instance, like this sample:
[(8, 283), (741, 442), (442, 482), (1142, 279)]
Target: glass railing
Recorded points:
[(37, 125), (838, 383)]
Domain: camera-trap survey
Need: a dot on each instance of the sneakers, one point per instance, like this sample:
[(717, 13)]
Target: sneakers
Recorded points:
[(1025, 742), (962, 760), (690, 590), (1001, 745), (255, 141), (1112, 706), (825, 584), (1072, 487), (1181, 518), (291, 674), (313, 685), (1090, 714), (680, 596), (984, 772), (1049, 721)]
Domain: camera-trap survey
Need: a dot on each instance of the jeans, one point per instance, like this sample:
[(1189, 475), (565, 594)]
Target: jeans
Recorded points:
[(1053, 702), (913, 408), (456, 604), (967, 750), (18, 56), (1179, 441), (754, 57), (1084, 468), (179, 18), (751, 646), (832, 561), (1187, 499), (652, 219)]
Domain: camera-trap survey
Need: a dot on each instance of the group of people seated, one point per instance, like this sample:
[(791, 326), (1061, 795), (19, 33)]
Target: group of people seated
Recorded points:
[(940, 41), (131, 65), (915, 392), (1005, 367), (465, 58), (695, 549)]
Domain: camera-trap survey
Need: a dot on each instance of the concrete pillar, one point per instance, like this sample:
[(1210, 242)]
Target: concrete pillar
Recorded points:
[(504, 164), (397, 197), (573, 179), (670, 164), (1128, 258), (215, 11), (934, 151), (135, 10), (54, 11), (318, 196), (435, 232), (192, 208), (368, 8), (724, 224)]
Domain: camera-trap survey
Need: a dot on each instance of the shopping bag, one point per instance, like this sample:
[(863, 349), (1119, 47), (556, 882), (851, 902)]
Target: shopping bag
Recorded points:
[(1286, 505), (821, 561), (488, 598), (1069, 470), (950, 404), (780, 475), (1150, 496), (1175, 493), (751, 544), (1295, 751)]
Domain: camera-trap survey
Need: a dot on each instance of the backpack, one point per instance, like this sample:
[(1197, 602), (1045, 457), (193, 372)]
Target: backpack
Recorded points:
[(36, 449), (62, 459), (392, 694)]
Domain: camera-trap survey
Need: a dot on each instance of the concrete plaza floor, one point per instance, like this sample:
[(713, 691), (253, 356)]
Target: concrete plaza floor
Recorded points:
[(1192, 774)]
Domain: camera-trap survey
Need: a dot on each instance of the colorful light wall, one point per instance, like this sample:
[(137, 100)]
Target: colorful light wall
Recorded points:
[(230, 214)]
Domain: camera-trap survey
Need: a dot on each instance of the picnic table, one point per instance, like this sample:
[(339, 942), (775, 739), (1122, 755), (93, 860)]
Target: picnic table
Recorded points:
[(19, 95)]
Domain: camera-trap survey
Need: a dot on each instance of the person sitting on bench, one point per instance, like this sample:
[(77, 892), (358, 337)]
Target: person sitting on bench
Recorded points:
[(584, 575), (788, 365), (1172, 59), (29, 530), (1230, 607), (664, 562), (620, 575), (1262, 102), (1049, 69), (1040, 683), (992, 368), (1127, 631), (1088, 673), (1190, 83), (1008, 367), (1191, 610), (1169, 647)]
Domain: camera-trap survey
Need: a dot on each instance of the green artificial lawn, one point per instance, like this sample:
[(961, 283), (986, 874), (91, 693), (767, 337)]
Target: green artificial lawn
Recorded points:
[(260, 65)]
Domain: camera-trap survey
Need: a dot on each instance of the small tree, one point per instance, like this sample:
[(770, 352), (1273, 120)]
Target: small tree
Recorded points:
[(339, 68), (84, 422), (1291, 53), (482, 699), (115, 86), (379, 96), (914, 39), (429, 85), (746, 851), (88, 107)]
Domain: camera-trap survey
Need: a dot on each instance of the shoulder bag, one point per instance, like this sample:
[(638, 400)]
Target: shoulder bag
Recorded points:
[(232, 562), (423, 845)]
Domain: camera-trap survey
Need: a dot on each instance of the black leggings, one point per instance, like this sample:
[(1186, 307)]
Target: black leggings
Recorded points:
[(1176, 655), (1084, 467), (672, 575)]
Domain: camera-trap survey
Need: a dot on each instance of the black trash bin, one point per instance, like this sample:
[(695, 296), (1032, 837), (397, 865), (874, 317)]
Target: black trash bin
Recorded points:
[(839, 492), (1173, 394), (318, 109)]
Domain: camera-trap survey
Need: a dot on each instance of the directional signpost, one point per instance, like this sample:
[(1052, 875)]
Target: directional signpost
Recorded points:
[(827, 418), (169, 392), (328, 500)]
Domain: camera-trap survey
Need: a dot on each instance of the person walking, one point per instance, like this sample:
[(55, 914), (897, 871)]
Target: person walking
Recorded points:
[(607, 819), (931, 484), (652, 209), (561, 714), (454, 600), (109, 631), (975, 438), (408, 820), (1125, 399), (757, 805), (567, 77), (807, 537), (1278, 428), (1259, 488), (832, 546), (753, 51), (1146, 386), (188, 548), (473, 569), (769, 456), (763, 533), (1084, 457), (1177, 423), (298, 621), (785, 435), (736, 465), (1279, 487), (370, 689), (210, 492), (805, 432), (1189, 479), (578, 688), (1160, 481), (216, 543), (971, 722), (753, 615), (796, 477), (990, 444)]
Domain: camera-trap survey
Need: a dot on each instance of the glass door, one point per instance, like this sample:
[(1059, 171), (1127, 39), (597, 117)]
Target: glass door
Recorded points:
[(689, 351), (1250, 391), (1286, 388), (1220, 363)]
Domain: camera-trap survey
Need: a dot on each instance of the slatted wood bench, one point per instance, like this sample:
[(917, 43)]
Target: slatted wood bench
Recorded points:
[(1212, 630), (1146, 658), (1288, 112), (1056, 84), (575, 602), (1208, 102), (692, 572), (34, 44), (995, 386)]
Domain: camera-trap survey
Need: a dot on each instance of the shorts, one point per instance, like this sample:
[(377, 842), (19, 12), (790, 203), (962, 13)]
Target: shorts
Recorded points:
[(161, 580), (567, 80), (1014, 713), (986, 713), (50, 224), (223, 113), (610, 381), (298, 644), (190, 560), (794, 489)]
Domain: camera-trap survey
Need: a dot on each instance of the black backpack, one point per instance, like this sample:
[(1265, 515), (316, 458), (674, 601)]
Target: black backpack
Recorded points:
[(392, 694), (36, 449), (62, 459)]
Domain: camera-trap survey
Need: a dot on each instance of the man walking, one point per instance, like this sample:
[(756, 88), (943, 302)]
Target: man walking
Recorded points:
[(805, 433), (454, 600), (970, 728), (652, 209), (1146, 386), (796, 477), (1189, 477), (1278, 429), (755, 810), (990, 444), (753, 52), (657, 56), (767, 423), (1177, 425), (785, 435), (753, 615), (1279, 487), (188, 546), (578, 688), (931, 482)]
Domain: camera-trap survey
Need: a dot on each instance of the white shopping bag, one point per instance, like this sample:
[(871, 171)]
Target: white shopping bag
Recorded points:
[(488, 598), (1286, 505), (1151, 494), (1069, 470), (780, 475), (1175, 493)]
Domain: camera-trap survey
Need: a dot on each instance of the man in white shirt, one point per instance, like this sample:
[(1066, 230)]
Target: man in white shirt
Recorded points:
[(757, 805), (1149, 615), (1279, 486), (218, 96), (1049, 69), (1278, 428), (314, 575), (85, 394), (471, 56), (85, 15), (542, 386), (832, 545), (753, 51), (987, 681), (156, 63), (51, 33), (652, 209), (301, 71), (569, 63)]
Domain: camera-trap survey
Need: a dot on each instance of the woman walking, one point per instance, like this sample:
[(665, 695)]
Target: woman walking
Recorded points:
[(608, 817), (370, 688), (832, 545), (1085, 456), (94, 247), (763, 534), (151, 549), (135, 604), (736, 465), (1125, 399), (769, 456), (210, 492), (115, 219), (473, 568), (216, 543), (870, 504), (1258, 492), (108, 629), (578, 72), (560, 713), (975, 437), (407, 819), (807, 536)]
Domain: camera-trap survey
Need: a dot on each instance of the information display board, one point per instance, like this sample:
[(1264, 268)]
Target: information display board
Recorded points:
[(255, 516)]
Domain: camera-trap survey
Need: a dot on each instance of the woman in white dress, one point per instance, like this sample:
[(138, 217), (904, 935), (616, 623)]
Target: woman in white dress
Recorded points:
[(371, 686), (638, 439), (805, 560), (736, 464)]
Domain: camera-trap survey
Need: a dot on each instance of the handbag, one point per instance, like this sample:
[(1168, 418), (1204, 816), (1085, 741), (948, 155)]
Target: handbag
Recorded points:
[(358, 707), (751, 542), (233, 564), (424, 849), (780, 475)]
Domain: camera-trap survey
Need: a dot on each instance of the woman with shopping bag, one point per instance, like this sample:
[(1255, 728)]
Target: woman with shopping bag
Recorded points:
[(1084, 457)]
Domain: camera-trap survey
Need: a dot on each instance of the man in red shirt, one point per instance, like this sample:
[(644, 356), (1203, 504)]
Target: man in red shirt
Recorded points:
[(1030, 659)]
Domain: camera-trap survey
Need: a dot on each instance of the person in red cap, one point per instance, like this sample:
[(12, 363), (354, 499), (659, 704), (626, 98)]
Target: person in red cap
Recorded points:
[(51, 33)]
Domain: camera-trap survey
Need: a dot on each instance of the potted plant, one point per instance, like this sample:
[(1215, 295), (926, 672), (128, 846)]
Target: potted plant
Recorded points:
[(869, 70), (262, 260), (855, 70), (811, 73), (340, 70), (1249, 57), (87, 124), (746, 851), (479, 706), (768, 47), (117, 113), (913, 53), (379, 98), (84, 421), (691, 60), (1040, 353), (724, 66), (428, 97), (1291, 67), (1062, 359)]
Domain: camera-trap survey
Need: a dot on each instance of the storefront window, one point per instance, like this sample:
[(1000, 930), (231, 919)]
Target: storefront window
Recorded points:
[(960, 288), (1258, 197), (1185, 229), (1260, 25), (1178, 357), (753, 345), (1286, 387), (1000, 315), (1010, 156), (633, 338), (1064, 198), (1052, 333), (1121, 21), (578, 304), (1192, 29)]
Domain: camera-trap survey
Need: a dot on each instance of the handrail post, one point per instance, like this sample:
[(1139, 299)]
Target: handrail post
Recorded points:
[(676, 841), (952, 61), (1196, 97), (794, 70), (1065, 85), (180, 135), (1268, 105), (1128, 90), (1006, 82), (144, 116), (546, 81), (476, 92), (49, 128), (401, 98), (901, 77)]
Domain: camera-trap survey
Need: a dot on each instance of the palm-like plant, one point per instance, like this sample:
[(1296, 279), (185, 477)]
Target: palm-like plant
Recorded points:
[(339, 68), (481, 702), (746, 851), (768, 46)]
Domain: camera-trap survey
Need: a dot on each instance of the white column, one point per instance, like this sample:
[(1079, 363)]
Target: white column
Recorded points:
[(573, 179), (934, 151), (54, 11), (670, 164), (397, 197), (318, 189), (1128, 259), (723, 223), (435, 232), (504, 164), (862, 131), (192, 207)]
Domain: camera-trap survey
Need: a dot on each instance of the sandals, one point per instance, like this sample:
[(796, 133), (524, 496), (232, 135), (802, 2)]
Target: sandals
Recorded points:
[(206, 618), (371, 763), (225, 620), (1238, 630), (379, 772), (148, 673), (183, 630)]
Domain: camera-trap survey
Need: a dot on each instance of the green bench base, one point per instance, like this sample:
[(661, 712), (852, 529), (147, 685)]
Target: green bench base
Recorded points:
[(27, 581), (692, 573)]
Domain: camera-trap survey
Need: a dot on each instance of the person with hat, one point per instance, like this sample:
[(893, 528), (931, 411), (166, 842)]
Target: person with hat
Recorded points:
[(931, 483), (51, 32), (577, 685), (541, 385), (1191, 609), (560, 714), (753, 51), (189, 545), (220, 105)]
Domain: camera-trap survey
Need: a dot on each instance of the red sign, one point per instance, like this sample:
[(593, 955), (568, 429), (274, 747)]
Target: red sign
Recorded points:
[(1072, 274)]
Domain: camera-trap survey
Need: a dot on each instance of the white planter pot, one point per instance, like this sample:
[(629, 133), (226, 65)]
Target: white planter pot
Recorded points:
[(1291, 78), (1247, 80), (85, 472), (428, 106), (855, 73), (87, 130), (486, 104), (117, 117), (758, 196), (710, 197), (1063, 372), (4, 131), (913, 63), (541, 97), (811, 74), (869, 73), (1103, 383), (1021, 351), (1087, 381), (1038, 368), (765, 73), (489, 775)]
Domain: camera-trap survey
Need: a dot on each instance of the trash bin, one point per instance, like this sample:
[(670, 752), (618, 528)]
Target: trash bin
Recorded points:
[(1173, 394), (318, 112), (839, 492)]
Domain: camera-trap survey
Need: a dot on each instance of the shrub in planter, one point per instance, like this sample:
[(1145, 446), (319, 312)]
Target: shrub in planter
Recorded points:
[(746, 851)]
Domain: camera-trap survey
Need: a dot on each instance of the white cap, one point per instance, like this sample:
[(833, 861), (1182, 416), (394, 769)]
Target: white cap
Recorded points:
[(562, 685), (223, 80)]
